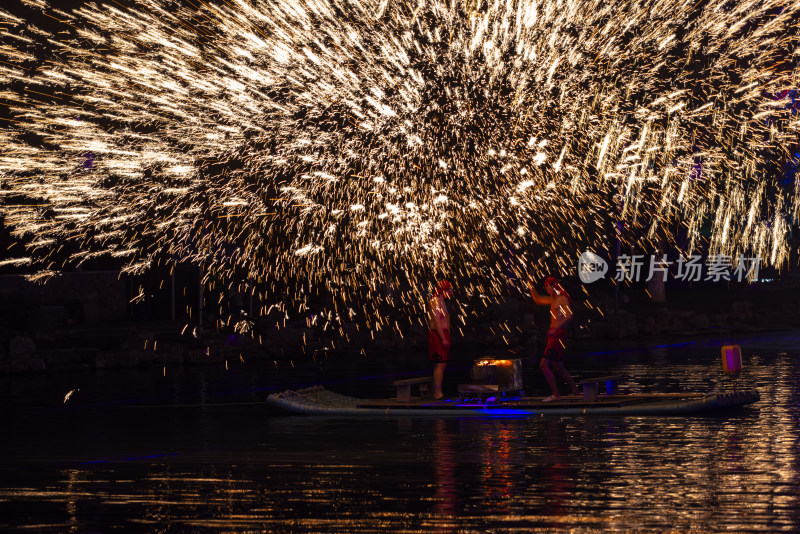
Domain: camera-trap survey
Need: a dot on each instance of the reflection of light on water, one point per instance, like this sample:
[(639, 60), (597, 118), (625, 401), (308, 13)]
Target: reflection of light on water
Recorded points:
[(734, 472), (705, 468), (446, 506)]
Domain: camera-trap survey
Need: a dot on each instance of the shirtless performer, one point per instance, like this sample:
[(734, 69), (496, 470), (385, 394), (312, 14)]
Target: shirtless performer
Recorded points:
[(439, 334), (560, 315)]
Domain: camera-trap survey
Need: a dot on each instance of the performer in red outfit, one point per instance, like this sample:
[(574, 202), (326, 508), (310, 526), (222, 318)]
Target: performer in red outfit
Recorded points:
[(439, 334), (560, 315)]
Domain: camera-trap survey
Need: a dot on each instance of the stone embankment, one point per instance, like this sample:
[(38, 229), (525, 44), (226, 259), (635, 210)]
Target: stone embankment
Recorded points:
[(508, 330), (662, 321)]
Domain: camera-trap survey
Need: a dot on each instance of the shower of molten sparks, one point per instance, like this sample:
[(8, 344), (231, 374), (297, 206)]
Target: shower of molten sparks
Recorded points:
[(337, 146)]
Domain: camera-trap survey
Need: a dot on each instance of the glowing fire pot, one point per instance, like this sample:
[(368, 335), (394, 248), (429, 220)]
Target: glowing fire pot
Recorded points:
[(505, 374)]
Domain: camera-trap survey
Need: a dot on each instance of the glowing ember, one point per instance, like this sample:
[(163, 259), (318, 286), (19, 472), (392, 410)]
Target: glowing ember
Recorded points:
[(495, 363)]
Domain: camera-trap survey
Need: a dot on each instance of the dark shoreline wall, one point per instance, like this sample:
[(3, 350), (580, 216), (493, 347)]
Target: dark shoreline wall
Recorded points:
[(34, 315), (89, 297), (84, 320)]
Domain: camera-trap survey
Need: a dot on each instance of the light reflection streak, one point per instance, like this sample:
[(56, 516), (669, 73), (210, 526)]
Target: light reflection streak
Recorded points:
[(447, 507)]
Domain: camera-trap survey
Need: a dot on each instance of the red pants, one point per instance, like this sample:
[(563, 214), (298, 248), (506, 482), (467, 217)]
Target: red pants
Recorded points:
[(556, 340), (436, 351)]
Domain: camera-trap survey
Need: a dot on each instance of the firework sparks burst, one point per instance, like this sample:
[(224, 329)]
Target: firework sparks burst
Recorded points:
[(340, 145)]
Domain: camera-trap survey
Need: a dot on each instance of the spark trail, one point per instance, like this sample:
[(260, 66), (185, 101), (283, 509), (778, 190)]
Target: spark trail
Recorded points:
[(336, 145)]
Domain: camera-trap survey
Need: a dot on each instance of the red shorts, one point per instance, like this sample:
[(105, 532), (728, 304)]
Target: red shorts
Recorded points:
[(556, 340), (436, 351)]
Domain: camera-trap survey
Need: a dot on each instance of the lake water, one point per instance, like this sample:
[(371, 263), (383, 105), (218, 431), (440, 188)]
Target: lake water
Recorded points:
[(188, 449)]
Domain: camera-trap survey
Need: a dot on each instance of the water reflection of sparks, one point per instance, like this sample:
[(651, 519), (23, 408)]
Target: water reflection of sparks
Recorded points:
[(559, 471), (500, 454), (445, 497)]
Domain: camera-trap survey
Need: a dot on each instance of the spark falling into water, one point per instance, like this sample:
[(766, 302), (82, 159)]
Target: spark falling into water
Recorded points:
[(336, 146)]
